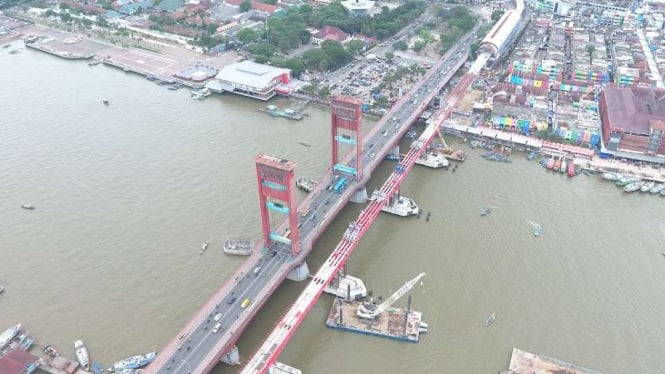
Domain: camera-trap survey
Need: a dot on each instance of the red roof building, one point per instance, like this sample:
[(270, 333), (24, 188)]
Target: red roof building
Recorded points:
[(330, 33), (257, 5), (633, 119)]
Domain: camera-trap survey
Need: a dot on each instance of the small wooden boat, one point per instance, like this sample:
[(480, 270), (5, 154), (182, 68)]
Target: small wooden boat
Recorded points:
[(50, 351), (485, 211), (204, 247), (490, 320), (27, 207), (105, 102), (2, 288), (305, 144), (537, 230)]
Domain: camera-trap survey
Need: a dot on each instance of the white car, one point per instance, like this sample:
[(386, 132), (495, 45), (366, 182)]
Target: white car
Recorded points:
[(216, 328), (218, 316), (371, 155)]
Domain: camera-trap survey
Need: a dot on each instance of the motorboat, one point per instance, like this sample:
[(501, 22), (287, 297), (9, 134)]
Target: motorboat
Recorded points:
[(537, 230), (657, 188), (490, 320), (632, 187), (662, 193), (306, 184), (563, 167), (49, 350), (134, 362), (646, 187), (204, 247), (612, 176), (27, 207), (532, 155), (238, 247), (9, 334), (485, 211), (305, 144), (623, 182), (82, 355), (2, 288)]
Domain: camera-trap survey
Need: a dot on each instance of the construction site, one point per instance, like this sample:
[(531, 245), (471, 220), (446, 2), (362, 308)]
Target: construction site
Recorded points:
[(369, 318)]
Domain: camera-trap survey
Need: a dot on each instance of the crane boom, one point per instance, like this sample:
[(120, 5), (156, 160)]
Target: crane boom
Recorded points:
[(406, 287)]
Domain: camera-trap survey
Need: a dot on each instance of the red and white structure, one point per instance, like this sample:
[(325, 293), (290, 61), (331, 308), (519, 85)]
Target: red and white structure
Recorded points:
[(277, 193), (271, 348), (346, 119)]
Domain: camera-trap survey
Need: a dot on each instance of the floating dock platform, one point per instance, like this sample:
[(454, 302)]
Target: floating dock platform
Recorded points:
[(525, 362), (389, 324)]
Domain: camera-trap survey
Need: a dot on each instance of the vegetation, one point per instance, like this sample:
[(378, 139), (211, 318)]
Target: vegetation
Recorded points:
[(287, 30), (457, 21), (497, 14)]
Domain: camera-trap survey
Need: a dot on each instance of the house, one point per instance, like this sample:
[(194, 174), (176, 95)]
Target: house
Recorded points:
[(330, 33)]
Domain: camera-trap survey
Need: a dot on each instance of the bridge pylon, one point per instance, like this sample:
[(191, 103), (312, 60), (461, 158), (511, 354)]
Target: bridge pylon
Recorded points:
[(277, 193), (346, 120)]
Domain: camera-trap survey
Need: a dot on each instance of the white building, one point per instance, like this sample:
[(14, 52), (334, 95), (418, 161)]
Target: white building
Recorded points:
[(250, 79)]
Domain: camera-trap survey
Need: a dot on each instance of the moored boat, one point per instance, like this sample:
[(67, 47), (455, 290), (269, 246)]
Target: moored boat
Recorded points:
[(632, 187), (9, 334), (612, 176), (646, 187), (134, 362), (49, 351), (550, 164), (571, 170), (657, 188), (201, 93), (662, 193), (531, 155), (398, 205), (623, 182), (306, 184), (27, 207), (564, 166), (490, 319), (557, 165), (204, 247), (82, 355)]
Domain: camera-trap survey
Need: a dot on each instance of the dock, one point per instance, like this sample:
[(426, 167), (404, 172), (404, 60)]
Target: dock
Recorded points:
[(389, 324), (525, 362)]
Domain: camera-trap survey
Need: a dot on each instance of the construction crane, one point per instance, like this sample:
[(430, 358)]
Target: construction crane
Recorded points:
[(370, 311)]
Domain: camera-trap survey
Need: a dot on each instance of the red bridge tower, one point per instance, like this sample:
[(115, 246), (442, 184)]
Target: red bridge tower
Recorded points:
[(277, 193), (346, 114)]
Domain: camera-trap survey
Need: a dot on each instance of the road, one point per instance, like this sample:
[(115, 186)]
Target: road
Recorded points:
[(200, 345)]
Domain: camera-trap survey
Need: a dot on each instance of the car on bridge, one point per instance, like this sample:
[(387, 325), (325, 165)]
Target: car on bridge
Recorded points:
[(218, 316), (232, 300), (245, 303), (216, 328)]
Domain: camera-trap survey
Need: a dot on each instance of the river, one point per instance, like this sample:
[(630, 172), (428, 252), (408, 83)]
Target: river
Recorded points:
[(126, 194)]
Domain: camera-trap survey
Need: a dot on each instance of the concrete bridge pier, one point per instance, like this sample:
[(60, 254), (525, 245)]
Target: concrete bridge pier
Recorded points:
[(299, 273), (360, 196), (232, 357)]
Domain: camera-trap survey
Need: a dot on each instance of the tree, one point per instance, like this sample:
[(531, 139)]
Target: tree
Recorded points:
[(473, 48), (418, 46), (401, 45), (245, 6), (496, 15), (246, 36), (355, 46), (389, 55)]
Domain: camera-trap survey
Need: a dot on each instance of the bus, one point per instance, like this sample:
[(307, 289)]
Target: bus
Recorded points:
[(245, 303), (339, 186)]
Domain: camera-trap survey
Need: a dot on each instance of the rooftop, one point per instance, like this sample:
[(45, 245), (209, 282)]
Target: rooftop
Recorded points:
[(250, 73), (634, 108)]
